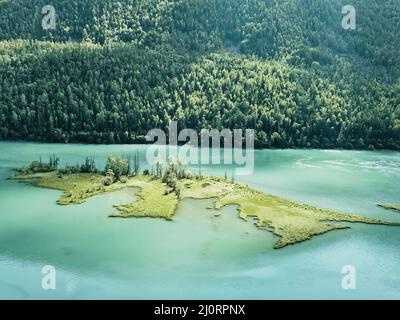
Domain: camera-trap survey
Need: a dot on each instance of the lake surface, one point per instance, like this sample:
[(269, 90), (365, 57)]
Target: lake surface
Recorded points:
[(200, 255)]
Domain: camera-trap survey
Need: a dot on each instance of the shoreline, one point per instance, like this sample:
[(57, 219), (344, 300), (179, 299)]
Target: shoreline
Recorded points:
[(167, 145)]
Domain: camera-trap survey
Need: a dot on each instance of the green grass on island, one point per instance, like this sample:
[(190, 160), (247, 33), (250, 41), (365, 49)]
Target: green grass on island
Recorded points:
[(160, 193), (393, 207)]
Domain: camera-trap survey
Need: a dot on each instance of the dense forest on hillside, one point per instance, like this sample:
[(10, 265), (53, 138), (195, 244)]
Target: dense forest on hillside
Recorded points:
[(112, 70)]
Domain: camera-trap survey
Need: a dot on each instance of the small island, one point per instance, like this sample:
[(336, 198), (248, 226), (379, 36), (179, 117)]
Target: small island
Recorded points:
[(392, 207), (162, 188)]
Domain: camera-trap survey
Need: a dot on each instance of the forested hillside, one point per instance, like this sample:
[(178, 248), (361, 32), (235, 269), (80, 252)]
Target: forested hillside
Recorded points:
[(112, 70)]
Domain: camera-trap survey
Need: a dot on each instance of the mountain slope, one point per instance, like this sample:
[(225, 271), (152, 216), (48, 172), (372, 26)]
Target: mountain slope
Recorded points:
[(114, 69)]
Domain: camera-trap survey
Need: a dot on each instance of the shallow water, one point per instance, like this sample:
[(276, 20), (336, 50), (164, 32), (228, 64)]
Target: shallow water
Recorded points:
[(200, 255)]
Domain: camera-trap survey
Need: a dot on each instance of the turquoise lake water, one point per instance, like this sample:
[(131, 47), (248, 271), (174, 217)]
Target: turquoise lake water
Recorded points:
[(199, 255)]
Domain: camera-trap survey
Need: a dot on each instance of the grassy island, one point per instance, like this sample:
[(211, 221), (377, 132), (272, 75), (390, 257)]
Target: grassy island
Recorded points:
[(393, 207), (160, 192)]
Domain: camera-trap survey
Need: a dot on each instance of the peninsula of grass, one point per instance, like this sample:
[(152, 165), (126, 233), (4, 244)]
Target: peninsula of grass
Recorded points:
[(161, 190), (392, 207)]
